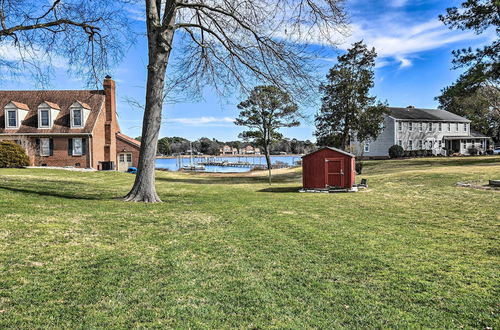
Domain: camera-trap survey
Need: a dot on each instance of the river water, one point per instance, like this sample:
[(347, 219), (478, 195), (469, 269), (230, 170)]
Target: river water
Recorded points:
[(172, 164)]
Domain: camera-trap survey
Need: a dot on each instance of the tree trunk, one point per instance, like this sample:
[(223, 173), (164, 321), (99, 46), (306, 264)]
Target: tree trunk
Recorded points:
[(268, 161), (144, 189)]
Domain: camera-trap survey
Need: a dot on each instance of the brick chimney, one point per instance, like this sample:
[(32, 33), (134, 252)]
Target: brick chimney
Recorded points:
[(109, 91), (111, 124)]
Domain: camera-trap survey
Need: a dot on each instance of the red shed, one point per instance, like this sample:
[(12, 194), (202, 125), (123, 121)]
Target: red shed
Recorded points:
[(328, 167)]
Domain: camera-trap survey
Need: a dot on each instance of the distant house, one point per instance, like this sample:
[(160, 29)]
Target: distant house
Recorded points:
[(439, 131), (76, 128), (228, 150)]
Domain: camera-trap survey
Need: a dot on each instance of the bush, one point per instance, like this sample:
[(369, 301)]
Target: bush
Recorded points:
[(359, 167), (396, 151), (473, 151), (12, 155)]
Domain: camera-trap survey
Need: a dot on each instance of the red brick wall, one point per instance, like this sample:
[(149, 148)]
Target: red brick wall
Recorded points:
[(60, 155), (122, 146)]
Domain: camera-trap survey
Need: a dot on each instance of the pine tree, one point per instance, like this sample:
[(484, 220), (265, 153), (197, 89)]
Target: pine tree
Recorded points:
[(347, 108)]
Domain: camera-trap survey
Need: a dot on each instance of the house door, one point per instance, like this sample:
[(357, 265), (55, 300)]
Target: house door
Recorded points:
[(124, 161), (334, 172)]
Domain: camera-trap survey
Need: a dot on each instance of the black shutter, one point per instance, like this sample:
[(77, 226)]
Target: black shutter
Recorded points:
[(84, 146), (51, 146), (37, 145), (70, 147)]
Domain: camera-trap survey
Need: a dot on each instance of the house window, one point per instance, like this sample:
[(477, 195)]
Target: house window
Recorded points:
[(429, 127), (12, 118), (44, 147), (440, 127), (456, 127), (400, 126), (77, 117), (465, 127), (420, 126), (420, 144), (410, 126), (400, 143), (77, 147), (122, 158), (430, 144), (44, 118), (440, 144), (410, 145), (367, 147), (449, 127), (465, 144), (129, 158)]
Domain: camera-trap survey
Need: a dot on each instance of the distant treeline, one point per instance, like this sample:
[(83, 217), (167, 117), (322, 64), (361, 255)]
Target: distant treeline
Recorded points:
[(169, 146)]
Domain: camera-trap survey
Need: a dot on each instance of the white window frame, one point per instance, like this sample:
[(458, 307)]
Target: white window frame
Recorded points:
[(410, 126), (400, 126), (40, 123), (449, 127), (440, 127), (456, 127), (465, 127), (429, 127), (420, 126), (75, 152), (44, 146), (420, 144), (366, 147), (410, 144), (8, 125), (73, 117)]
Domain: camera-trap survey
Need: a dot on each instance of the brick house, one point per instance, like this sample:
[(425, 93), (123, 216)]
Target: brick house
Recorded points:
[(77, 128)]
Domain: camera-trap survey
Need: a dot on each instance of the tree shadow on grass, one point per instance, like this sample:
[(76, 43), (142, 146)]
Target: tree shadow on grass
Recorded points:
[(281, 190), (230, 180), (43, 191)]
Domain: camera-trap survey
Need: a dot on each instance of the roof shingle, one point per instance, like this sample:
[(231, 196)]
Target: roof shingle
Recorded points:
[(425, 114), (91, 99)]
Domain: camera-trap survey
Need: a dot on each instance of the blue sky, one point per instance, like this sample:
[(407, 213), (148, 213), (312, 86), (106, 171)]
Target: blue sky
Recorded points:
[(414, 64)]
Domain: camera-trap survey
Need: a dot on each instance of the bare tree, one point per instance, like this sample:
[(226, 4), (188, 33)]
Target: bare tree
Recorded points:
[(82, 36), (222, 43), (227, 43)]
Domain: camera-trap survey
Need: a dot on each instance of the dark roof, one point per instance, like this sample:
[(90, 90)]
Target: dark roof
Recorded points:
[(333, 149), (425, 114), (477, 134), (93, 99)]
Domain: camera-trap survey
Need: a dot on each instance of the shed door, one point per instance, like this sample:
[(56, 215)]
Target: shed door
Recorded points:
[(334, 172)]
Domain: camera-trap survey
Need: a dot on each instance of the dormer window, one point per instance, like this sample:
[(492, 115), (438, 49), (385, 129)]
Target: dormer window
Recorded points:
[(15, 112), (11, 118), (47, 113), (79, 113), (77, 118), (44, 118)]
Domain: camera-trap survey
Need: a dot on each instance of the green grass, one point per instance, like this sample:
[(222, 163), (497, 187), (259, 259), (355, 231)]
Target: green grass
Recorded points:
[(227, 251)]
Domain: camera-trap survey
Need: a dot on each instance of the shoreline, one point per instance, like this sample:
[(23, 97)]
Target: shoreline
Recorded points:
[(229, 156)]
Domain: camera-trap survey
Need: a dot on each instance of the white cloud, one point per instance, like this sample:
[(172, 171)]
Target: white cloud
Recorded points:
[(202, 121)]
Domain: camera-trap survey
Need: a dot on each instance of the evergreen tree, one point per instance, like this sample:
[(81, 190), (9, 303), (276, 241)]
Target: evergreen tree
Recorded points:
[(266, 110), (347, 108), (476, 93)]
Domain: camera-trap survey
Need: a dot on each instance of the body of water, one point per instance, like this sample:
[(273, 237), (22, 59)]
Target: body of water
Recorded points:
[(172, 164)]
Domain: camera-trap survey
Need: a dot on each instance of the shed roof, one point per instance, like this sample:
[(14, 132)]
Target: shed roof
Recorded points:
[(425, 114), (333, 149)]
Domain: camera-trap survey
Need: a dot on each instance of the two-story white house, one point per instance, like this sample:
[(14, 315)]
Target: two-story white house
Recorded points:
[(440, 131)]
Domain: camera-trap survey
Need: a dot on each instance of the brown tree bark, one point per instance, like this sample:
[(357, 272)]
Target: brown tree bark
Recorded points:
[(159, 47)]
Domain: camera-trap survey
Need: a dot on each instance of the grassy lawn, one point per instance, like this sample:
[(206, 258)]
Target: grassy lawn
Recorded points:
[(228, 251)]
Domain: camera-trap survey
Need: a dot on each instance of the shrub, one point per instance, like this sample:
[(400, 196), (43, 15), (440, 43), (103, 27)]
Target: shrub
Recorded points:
[(12, 155), (359, 167), (473, 151), (396, 151)]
